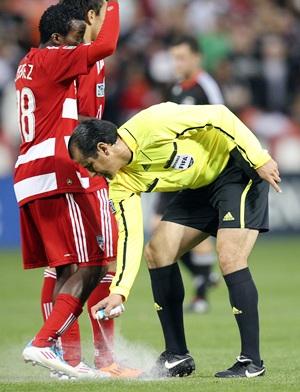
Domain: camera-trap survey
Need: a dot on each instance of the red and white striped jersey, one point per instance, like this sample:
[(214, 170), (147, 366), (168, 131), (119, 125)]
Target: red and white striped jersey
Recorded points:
[(91, 91), (47, 112), (91, 102)]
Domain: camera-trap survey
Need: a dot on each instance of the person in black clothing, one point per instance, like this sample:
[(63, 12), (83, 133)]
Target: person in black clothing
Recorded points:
[(194, 87)]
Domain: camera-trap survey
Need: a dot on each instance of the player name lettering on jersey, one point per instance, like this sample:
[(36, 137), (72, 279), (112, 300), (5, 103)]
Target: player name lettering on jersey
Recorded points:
[(24, 72)]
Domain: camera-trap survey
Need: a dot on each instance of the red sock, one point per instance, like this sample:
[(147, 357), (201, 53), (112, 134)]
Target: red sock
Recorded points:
[(71, 346), (47, 293), (65, 311), (70, 340), (103, 338)]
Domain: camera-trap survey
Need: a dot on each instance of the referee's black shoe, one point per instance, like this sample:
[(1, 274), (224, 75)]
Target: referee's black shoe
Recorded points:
[(169, 364), (244, 367)]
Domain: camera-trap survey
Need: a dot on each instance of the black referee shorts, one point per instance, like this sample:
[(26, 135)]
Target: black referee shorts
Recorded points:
[(233, 200), (162, 202)]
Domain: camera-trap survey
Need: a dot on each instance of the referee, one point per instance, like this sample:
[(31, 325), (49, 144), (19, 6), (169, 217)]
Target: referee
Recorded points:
[(219, 166), (194, 87)]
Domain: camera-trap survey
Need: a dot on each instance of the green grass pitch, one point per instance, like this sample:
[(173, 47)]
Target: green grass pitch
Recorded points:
[(212, 338)]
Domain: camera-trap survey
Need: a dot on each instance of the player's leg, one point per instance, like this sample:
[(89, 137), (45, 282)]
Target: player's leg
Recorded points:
[(178, 232), (243, 213), (34, 256), (234, 247), (168, 243), (103, 330), (198, 261), (69, 232), (103, 334), (47, 291), (70, 340), (68, 303)]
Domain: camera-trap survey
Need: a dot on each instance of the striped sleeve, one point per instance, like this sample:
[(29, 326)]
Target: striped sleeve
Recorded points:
[(239, 136), (130, 243)]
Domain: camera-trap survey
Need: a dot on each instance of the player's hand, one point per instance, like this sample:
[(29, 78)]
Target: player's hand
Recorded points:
[(270, 173), (107, 304)]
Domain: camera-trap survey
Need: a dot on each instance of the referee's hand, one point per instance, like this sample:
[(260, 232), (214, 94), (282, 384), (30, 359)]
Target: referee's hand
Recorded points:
[(270, 173), (108, 304)]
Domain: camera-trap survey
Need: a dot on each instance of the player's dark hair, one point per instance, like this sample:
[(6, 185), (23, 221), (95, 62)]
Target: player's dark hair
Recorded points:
[(89, 133), (57, 19), (188, 40), (85, 6)]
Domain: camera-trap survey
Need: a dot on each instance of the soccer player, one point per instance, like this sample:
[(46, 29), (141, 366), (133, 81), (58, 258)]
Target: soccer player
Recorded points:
[(194, 87), (222, 171), (91, 102), (60, 220)]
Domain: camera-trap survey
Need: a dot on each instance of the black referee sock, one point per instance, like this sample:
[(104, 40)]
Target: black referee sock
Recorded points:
[(168, 294), (244, 301)]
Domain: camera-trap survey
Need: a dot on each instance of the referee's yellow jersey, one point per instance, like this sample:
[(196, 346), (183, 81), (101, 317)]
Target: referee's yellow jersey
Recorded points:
[(174, 147)]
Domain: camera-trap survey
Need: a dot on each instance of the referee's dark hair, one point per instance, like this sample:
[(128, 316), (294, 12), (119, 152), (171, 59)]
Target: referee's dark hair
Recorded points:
[(57, 19), (188, 40), (85, 6), (89, 133)]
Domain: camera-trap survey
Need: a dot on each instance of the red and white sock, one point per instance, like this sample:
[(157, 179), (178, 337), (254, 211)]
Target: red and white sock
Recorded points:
[(65, 312), (70, 340), (47, 292), (104, 336), (71, 344)]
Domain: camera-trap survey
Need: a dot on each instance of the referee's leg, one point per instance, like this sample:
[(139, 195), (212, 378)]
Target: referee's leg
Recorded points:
[(169, 241), (234, 247)]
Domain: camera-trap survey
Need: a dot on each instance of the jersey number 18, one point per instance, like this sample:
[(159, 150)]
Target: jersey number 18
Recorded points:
[(26, 118)]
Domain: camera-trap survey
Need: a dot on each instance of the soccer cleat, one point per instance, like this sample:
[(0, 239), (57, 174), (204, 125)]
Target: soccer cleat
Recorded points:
[(120, 371), (48, 357), (172, 365), (244, 367), (198, 305), (60, 376), (83, 371)]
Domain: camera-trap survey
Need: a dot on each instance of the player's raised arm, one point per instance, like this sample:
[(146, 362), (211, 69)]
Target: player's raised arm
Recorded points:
[(66, 60), (107, 39)]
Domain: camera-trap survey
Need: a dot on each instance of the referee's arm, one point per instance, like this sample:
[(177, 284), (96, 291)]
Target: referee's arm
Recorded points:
[(130, 244), (224, 121), (241, 137)]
